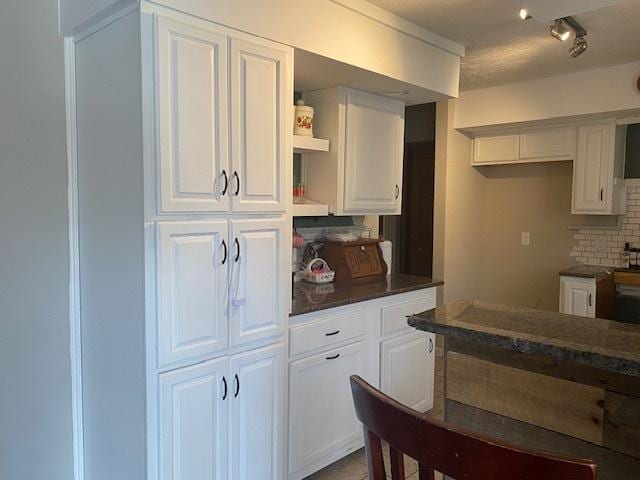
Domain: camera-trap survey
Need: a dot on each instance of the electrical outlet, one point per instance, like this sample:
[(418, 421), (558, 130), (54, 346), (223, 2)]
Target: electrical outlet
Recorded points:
[(526, 239)]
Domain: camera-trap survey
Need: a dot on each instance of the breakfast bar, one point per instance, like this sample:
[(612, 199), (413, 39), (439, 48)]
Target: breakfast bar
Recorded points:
[(545, 380)]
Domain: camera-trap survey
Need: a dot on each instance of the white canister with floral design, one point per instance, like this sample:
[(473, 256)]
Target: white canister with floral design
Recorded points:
[(303, 120)]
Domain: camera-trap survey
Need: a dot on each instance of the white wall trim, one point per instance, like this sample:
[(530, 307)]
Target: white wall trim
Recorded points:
[(75, 326), (399, 24)]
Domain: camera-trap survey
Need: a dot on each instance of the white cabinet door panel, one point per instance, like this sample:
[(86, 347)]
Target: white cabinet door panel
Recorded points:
[(257, 414), (407, 369), (495, 149), (192, 289), (591, 168), (259, 279), (578, 297), (192, 117), (548, 143), (193, 423), (374, 148), (321, 414), (261, 122)]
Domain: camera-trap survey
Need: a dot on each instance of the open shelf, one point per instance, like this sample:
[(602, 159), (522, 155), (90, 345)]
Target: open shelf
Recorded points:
[(310, 209), (302, 144)]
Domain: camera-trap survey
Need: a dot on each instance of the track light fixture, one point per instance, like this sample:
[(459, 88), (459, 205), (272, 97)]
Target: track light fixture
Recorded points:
[(562, 29), (559, 30)]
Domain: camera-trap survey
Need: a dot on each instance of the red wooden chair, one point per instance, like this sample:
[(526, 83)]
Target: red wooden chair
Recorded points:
[(439, 447)]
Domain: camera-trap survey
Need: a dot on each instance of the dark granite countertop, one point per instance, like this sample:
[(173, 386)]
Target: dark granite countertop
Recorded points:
[(310, 298), (594, 342), (588, 271)]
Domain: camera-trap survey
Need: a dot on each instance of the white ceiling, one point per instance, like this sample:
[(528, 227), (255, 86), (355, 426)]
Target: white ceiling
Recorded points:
[(501, 48)]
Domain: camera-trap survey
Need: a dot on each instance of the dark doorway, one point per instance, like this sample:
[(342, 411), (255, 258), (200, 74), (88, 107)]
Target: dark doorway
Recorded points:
[(412, 232), (415, 240)]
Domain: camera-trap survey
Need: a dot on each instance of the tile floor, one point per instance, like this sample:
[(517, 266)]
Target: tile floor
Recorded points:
[(354, 466)]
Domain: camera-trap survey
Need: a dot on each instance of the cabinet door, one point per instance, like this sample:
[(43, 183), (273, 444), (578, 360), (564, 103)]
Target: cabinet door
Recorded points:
[(257, 414), (548, 144), (592, 168), (321, 414), (577, 297), (373, 151), (193, 422), (192, 290), (260, 277), (407, 369), (192, 118), (495, 149), (261, 125)]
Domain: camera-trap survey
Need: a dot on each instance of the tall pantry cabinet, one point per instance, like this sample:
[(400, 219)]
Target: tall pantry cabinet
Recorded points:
[(183, 174)]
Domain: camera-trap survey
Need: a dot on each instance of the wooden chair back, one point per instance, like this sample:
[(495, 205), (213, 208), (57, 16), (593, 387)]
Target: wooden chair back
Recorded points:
[(454, 452)]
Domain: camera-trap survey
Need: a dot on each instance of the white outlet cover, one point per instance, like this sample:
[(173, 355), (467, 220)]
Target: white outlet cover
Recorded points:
[(526, 239)]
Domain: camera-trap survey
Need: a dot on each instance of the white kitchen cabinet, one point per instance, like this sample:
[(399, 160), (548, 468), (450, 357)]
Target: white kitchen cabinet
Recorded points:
[(321, 415), (547, 143), (195, 61), (495, 149), (528, 145), (192, 117), (224, 418), (362, 171), (192, 289), (193, 412), (407, 369), (261, 125), (260, 279), (257, 391), (598, 170), (578, 296)]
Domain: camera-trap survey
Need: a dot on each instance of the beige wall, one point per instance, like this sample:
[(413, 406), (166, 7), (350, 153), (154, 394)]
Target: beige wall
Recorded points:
[(481, 214)]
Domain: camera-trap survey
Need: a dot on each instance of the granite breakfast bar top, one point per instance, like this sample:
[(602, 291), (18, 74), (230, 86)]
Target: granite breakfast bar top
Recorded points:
[(309, 298), (587, 271), (603, 344)]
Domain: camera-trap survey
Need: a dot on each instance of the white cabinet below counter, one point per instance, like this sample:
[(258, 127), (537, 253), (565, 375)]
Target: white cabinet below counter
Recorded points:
[(370, 339)]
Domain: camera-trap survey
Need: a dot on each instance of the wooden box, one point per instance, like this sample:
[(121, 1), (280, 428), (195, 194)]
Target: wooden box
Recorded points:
[(356, 260)]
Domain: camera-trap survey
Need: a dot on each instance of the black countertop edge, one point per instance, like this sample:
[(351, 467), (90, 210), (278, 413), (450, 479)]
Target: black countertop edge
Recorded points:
[(531, 347), (349, 293)]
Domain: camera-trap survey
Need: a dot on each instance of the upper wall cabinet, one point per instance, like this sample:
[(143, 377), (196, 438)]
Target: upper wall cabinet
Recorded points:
[(199, 171), (192, 118), (547, 144), (598, 184), (362, 171)]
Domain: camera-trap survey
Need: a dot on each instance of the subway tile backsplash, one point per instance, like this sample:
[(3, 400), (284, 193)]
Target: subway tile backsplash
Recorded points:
[(604, 246)]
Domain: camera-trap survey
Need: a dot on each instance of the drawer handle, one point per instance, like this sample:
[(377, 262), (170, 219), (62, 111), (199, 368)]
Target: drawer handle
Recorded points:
[(333, 357), (224, 384), (226, 182), (332, 333)]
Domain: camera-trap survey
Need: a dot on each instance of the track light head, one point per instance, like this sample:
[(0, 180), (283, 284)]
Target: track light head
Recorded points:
[(579, 47), (560, 31)]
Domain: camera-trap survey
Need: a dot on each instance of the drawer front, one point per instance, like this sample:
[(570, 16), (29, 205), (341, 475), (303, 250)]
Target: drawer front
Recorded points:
[(394, 317), (327, 331)]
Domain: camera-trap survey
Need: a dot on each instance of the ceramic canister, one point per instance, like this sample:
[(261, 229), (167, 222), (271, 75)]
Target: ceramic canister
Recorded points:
[(303, 120)]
